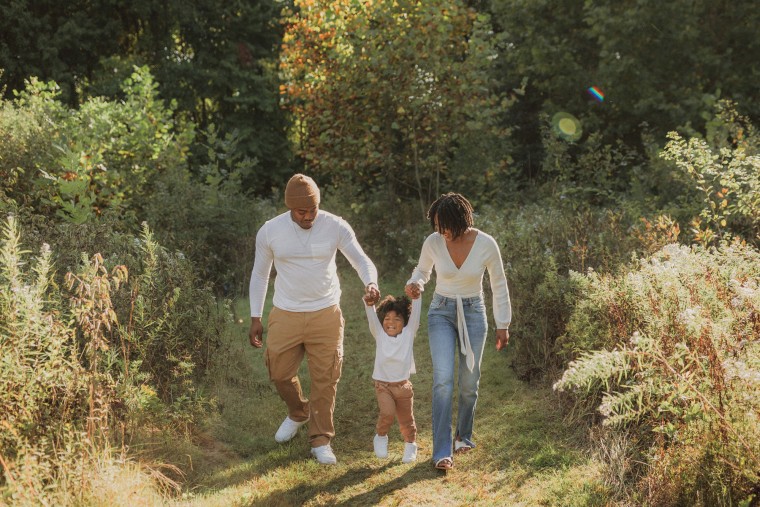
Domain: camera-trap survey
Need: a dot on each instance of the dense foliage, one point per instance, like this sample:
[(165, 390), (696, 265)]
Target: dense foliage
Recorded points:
[(215, 61), (97, 358), (670, 353), (142, 145), (77, 163), (660, 67), (394, 94), (106, 334)]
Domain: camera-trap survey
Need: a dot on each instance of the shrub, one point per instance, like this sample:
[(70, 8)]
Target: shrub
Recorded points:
[(54, 403), (168, 322), (77, 163), (167, 325), (88, 364), (211, 223), (726, 172), (540, 244), (669, 353), (42, 388), (26, 128)]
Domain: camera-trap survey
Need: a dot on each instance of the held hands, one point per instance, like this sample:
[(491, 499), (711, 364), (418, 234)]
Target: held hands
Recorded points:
[(256, 332), (371, 294), (413, 290), (502, 338)]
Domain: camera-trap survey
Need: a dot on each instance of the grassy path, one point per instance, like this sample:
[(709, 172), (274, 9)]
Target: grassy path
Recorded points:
[(526, 454)]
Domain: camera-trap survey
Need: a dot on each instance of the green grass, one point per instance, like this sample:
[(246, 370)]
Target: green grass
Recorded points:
[(526, 454)]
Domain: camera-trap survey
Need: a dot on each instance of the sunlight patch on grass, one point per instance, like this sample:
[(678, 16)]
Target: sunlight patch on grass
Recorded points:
[(577, 486), (121, 484)]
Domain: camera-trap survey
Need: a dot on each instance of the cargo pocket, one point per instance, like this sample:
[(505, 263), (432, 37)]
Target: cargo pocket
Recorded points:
[(266, 362), (337, 367)]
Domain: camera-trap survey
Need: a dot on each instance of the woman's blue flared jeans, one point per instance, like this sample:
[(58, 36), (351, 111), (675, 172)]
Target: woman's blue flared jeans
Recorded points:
[(445, 350)]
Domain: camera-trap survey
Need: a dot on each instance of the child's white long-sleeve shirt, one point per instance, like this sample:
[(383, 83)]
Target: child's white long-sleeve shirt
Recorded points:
[(394, 355)]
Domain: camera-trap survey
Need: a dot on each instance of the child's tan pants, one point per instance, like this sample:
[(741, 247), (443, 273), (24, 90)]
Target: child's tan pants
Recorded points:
[(396, 400)]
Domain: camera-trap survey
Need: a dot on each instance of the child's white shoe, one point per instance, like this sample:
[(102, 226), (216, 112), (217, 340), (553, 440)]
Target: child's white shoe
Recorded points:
[(381, 446), (410, 452)]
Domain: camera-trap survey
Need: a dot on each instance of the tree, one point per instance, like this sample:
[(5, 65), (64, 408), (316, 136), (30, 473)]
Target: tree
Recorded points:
[(216, 60), (388, 93), (661, 66), (58, 41), (221, 66)]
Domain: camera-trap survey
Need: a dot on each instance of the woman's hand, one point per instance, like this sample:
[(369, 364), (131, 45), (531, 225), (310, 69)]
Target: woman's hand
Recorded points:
[(502, 338), (413, 290)]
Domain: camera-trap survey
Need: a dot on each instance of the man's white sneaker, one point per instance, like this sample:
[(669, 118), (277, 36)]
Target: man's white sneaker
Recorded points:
[(288, 429), (381, 446), (324, 454), (410, 452)]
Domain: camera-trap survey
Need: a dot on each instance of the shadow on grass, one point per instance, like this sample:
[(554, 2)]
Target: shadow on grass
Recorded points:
[(415, 474), (304, 492), (267, 458)]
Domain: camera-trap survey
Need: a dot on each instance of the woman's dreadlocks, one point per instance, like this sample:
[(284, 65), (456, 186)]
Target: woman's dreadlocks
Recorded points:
[(454, 213)]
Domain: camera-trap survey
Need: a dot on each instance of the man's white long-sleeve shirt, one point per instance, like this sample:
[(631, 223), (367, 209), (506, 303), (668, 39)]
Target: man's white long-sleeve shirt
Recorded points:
[(307, 277)]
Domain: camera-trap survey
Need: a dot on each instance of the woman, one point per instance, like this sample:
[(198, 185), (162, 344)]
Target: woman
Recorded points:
[(457, 319)]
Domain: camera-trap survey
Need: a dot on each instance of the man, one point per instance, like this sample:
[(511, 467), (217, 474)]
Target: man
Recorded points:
[(306, 316)]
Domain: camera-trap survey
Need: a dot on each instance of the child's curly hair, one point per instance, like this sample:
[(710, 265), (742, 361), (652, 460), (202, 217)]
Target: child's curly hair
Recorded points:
[(402, 306)]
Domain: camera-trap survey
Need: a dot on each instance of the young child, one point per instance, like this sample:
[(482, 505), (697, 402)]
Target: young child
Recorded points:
[(394, 326)]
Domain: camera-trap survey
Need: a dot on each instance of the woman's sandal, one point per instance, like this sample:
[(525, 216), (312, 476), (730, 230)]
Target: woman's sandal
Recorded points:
[(461, 446), (444, 464)]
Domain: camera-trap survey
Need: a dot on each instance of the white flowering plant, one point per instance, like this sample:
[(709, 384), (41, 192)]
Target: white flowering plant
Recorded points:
[(670, 352)]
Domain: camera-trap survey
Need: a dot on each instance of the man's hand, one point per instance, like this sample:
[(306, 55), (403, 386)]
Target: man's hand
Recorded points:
[(256, 333), (371, 294), (502, 338), (413, 290)]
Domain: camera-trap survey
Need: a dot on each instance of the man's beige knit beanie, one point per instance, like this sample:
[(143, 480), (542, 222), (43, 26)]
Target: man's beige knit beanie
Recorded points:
[(301, 192)]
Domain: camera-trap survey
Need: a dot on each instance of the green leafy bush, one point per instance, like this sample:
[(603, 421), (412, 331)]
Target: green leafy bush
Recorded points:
[(76, 163), (26, 127), (209, 218), (669, 353), (725, 170), (112, 164)]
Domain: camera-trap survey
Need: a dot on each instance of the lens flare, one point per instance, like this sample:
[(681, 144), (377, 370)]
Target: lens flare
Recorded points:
[(595, 92), (567, 126)]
